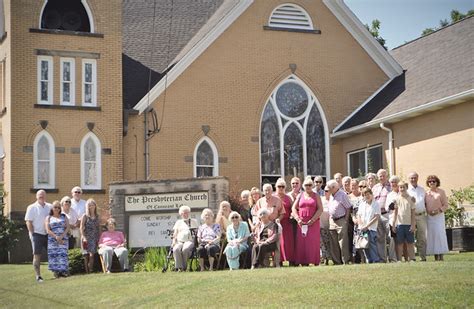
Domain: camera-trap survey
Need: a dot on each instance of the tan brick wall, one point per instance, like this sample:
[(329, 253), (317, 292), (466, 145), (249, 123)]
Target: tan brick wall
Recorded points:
[(440, 143), (228, 85), (67, 127)]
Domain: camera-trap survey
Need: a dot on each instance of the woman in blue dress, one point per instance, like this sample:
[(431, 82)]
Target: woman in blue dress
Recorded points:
[(237, 240), (57, 226)]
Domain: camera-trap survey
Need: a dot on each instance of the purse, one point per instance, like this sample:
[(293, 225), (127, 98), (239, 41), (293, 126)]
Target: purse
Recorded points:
[(361, 241)]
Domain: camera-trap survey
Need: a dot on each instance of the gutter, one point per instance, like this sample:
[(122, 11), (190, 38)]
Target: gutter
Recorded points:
[(390, 147)]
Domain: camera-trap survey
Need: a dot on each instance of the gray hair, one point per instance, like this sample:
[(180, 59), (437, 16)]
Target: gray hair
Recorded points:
[(111, 221), (263, 211), (394, 178), (267, 185), (381, 171), (332, 184), (370, 175), (280, 182), (346, 178), (64, 199), (183, 209), (76, 188), (245, 194), (318, 178), (234, 213), (206, 211)]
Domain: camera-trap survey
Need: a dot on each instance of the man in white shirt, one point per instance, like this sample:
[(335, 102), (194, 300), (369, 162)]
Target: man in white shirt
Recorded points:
[(35, 217), (418, 193), (79, 206)]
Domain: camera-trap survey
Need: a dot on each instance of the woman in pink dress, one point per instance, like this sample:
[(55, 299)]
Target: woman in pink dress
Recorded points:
[(307, 209), (287, 239)]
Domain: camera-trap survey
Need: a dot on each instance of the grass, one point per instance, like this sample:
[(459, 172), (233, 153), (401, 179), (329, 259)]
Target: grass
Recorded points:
[(431, 284)]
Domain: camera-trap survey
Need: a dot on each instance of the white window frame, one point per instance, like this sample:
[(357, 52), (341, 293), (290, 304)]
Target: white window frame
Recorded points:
[(50, 80), (313, 100), (93, 83), (86, 7), (52, 161), (98, 145), (215, 170), (297, 25), (72, 82), (365, 151)]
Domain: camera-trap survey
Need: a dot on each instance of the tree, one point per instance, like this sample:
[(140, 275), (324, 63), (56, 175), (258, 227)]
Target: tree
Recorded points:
[(375, 31), (455, 17)]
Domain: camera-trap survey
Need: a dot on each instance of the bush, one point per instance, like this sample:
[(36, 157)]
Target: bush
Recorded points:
[(76, 262), (9, 231), (155, 259), (454, 215)]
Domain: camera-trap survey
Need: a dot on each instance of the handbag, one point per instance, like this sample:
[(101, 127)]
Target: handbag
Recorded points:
[(361, 241)]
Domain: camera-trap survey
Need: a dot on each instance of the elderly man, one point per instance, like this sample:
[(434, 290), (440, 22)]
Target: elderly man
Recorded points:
[(381, 190), (79, 206), (35, 218), (339, 211), (371, 179), (346, 183), (418, 193), (338, 179)]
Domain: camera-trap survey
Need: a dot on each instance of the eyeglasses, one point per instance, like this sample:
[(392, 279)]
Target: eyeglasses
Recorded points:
[(78, 192), (68, 202), (432, 181), (362, 186), (318, 182), (57, 207), (280, 186), (234, 217), (308, 185)]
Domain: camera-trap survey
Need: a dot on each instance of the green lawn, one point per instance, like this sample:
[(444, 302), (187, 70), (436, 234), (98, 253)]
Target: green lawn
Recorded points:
[(430, 284)]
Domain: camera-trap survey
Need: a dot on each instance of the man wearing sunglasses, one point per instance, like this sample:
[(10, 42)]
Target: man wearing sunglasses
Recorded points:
[(79, 206)]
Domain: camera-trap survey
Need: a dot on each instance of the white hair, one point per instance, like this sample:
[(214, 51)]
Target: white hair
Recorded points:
[(394, 178), (183, 209), (381, 171), (280, 182), (332, 184), (267, 185), (346, 178), (76, 188), (205, 212), (263, 211), (245, 194), (234, 213)]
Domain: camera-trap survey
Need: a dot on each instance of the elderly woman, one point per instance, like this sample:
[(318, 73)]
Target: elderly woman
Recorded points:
[(272, 203), (287, 241), (295, 188), (324, 227), (90, 234), (223, 215), (436, 204), (110, 242), (306, 210), (266, 236), (73, 218), (255, 195), (371, 179), (57, 227), (208, 236), (237, 240), (318, 183), (355, 197), (183, 240), (346, 184)]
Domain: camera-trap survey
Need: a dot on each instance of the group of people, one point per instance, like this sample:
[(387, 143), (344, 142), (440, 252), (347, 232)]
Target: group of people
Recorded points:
[(71, 223), (371, 220)]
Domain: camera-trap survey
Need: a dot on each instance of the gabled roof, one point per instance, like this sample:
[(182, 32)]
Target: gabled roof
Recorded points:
[(438, 71), (232, 9), (175, 24)]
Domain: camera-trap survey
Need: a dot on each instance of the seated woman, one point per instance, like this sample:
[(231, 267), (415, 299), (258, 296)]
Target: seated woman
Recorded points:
[(223, 215), (110, 242), (208, 236), (237, 237), (183, 242), (266, 236)]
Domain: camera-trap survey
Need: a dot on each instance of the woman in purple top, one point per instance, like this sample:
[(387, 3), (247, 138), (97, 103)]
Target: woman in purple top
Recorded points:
[(287, 240), (208, 236), (307, 209)]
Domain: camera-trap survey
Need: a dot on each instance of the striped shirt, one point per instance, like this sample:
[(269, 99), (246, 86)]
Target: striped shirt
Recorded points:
[(339, 204)]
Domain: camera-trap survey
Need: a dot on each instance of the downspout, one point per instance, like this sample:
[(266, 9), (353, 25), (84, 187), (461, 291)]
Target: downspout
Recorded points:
[(390, 147), (147, 150)]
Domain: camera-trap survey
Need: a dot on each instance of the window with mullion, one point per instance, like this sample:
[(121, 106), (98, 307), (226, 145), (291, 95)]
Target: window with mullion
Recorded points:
[(45, 80), (67, 95), (89, 82)]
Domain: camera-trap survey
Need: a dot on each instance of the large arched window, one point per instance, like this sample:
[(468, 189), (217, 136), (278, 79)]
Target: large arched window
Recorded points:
[(91, 162), (44, 161), (206, 159), (69, 15), (293, 133)]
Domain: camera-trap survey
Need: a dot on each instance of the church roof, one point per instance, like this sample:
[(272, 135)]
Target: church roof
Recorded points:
[(437, 71)]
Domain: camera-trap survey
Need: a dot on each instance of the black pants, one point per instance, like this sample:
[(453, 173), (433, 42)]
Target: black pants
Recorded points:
[(210, 251), (259, 251)]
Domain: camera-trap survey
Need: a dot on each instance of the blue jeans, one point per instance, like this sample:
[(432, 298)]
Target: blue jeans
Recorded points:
[(372, 253)]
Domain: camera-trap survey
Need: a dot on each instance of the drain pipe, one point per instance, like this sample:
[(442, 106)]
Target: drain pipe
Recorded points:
[(147, 151), (390, 147)]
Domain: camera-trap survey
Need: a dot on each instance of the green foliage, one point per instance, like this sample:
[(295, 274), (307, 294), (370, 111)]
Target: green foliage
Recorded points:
[(455, 212), (76, 262), (9, 231), (374, 29), (455, 17), (155, 259)]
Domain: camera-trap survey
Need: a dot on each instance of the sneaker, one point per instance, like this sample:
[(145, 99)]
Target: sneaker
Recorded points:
[(39, 279)]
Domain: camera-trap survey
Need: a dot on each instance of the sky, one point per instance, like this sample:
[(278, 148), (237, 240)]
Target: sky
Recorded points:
[(404, 20)]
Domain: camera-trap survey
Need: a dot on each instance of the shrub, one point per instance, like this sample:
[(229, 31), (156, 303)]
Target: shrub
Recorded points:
[(455, 212), (9, 231), (155, 259), (76, 262)]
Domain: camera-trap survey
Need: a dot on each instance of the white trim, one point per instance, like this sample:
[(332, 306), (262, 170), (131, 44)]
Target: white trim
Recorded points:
[(49, 60), (355, 27), (86, 7), (52, 161), (72, 82), (193, 54), (98, 162), (313, 101), (94, 81), (215, 170), (450, 100), (363, 104), (297, 24), (366, 164)]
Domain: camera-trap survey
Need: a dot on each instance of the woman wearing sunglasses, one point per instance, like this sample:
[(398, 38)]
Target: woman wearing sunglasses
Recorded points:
[(237, 240), (436, 204), (57, 227)]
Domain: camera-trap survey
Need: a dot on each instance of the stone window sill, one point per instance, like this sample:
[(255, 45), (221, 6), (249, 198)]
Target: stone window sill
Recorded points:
[(73, 107), (64, 32)]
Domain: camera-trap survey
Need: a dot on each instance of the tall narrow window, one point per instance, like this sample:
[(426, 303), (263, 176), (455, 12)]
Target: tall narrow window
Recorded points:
[(45, 80), (91, 169), (205, 159), (44, 161), (67, 81), (293, 134), (89, 82)]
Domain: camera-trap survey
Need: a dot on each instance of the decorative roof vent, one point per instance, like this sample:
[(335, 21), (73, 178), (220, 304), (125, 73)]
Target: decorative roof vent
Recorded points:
[(290, 16)]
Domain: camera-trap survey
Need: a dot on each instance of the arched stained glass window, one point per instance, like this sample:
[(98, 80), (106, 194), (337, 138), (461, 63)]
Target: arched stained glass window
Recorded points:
[(44, 161), (293, 133), (91, 170), (205, 159)]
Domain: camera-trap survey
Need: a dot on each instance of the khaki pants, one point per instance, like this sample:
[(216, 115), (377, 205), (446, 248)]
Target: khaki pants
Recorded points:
[(181, 254), (382, 233), (421, 236), (339, 241), (108, 253)]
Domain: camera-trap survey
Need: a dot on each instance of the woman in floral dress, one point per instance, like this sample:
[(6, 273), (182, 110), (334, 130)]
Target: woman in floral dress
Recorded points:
[(57, 227)]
